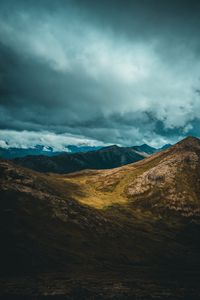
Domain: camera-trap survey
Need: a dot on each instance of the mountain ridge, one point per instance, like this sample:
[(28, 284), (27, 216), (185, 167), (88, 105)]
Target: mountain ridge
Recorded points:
[(122, 233), (14, 152), (105, 158)]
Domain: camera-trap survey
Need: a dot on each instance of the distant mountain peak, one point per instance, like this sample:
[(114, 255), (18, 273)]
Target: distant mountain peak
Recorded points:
[(145, 148), (111, 147)]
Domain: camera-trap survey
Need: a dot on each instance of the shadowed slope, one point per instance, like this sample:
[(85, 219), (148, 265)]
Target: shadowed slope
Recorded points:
[(43, 227), (139, 222), (168, 180), (105, 158)]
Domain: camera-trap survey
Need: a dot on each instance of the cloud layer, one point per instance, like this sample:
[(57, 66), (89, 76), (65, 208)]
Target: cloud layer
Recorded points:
[(114, 71)]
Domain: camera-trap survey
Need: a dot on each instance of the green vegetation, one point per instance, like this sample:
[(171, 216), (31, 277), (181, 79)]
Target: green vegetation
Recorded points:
[(111, 234)]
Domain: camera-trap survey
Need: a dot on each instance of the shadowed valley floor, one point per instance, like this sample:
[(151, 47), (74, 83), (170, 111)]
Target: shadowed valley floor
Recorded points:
[(126, 233)]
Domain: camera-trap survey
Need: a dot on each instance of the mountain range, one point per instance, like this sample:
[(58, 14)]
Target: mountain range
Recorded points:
[(104, 158), (13, 152), (131, 232)]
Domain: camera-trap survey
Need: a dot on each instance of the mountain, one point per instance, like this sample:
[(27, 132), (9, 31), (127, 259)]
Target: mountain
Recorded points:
[(12, 152), (45, 159), (104, 158), (125, 233), (76, 149), (166, 180), (145, 148), (164, 147)]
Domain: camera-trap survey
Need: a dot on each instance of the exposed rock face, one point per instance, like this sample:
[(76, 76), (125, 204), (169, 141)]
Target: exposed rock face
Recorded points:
[(173, 183), (116, 233)]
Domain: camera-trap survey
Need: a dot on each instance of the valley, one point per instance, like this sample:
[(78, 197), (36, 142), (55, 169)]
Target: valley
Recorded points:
[(130, 232)]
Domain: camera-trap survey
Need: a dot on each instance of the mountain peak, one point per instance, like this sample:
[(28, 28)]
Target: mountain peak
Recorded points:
[(189, 142), (111, 147), (191, 138)]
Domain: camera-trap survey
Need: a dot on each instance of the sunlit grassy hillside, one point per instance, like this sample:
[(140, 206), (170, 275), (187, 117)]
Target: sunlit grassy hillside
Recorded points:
[(139, 223)]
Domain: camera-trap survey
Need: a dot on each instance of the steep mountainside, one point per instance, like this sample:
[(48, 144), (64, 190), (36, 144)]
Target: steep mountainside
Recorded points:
[(145, 148), (105, 158), (166, 180), (126, 233)]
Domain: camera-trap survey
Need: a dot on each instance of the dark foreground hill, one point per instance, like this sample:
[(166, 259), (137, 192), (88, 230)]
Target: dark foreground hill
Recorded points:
[(126, 233)]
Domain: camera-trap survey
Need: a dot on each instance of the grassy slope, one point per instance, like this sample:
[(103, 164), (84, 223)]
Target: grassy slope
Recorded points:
[(169, 179), (87, 224)]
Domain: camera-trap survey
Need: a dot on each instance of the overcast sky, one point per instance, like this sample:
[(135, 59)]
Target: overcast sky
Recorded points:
[(113, 72)]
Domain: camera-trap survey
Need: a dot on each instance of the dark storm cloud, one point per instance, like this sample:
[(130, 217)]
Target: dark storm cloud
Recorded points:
[(115, 71)]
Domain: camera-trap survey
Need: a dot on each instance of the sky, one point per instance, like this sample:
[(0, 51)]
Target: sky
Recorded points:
[(99, 72)]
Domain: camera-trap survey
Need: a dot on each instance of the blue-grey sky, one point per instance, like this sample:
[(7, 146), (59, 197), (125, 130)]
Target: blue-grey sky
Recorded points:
[(113, 72)]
